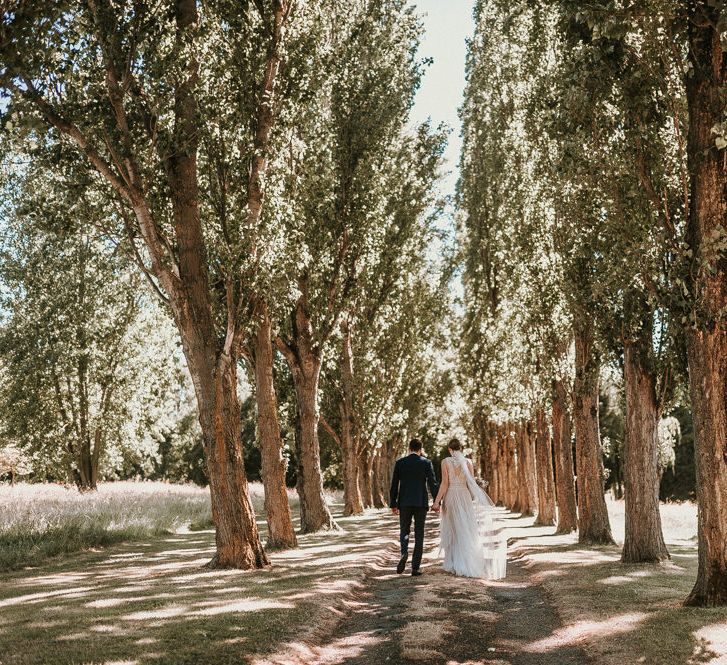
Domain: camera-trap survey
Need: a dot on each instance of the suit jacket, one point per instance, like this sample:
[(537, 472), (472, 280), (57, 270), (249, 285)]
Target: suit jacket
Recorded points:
[(409, 483)]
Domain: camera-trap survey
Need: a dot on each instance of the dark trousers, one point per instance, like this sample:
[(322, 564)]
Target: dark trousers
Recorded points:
[(405, 516)]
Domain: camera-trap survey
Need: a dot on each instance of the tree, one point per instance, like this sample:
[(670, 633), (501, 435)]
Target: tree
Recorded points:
[(74, 345), (563, 454), (340, 210), (405, 214), (546, 482), (281, 533), (488, 197), (139, 68), (14, 463), (707, 334)]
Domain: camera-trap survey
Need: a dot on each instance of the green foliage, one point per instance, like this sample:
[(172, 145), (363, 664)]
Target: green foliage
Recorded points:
[(14, 463), (572, 192), (90, 365), (679, 481)]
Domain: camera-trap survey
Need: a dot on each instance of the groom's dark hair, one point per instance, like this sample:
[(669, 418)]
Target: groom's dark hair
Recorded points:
[(415, 445)]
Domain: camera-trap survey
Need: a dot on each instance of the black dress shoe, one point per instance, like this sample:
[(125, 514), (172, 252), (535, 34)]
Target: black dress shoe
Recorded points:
[(402, 564), (416, 573)]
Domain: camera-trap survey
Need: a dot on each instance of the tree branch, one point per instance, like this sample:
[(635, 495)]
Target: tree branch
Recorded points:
[(288, 352), (330, 430)]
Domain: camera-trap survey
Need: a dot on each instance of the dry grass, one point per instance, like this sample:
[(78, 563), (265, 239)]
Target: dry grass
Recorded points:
[(44, 520), (40, 521), (154, 602), (625, 613)]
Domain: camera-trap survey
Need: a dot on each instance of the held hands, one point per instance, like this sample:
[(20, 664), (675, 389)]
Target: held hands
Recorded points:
[(435, 507), (395, 511)]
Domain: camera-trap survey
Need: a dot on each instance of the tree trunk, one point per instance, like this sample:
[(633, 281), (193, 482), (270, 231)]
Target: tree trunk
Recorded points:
[(510, 447), (304, 357), (505, 467), (86, 475), (521, 500), (484, 432), (352, 499), (390, 452), (365, 483), (526, 482), (593, 523), (544, 470), (352, 495), (314, 512), (379, 484), (281, 533), (371, 467), (707, 340), (501, 468), (527, 455), (565, 491), (237, 537), (644, 540), (98, 446), (495, 465)]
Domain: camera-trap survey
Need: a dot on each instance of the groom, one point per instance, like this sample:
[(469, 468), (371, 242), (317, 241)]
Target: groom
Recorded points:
[(409, 500)]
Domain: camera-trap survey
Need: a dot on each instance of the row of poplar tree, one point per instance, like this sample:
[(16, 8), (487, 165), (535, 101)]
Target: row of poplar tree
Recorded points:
[(593, 201), (253, 167)]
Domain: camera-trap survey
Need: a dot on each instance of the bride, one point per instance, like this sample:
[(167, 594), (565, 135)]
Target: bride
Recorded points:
[(473, 546)]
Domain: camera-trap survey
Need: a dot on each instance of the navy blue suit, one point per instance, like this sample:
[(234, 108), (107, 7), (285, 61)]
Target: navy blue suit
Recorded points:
[(412, 475)]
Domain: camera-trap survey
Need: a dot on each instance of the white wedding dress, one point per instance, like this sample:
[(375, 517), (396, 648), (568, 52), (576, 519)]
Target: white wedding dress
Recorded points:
[(473, 544)]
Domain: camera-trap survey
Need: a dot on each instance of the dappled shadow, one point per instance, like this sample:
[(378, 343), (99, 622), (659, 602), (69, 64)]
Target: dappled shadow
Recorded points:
[(156, 603), (600, 598)]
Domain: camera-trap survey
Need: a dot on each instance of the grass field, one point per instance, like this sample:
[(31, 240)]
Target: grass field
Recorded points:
[(150, 600), (45, 520), (625, 613)]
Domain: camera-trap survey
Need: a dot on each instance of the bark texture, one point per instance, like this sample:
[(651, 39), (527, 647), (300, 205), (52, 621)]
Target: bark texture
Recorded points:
[(281, 533), (236, 533), (644, 539), (304, 357), (565, 491), (707, 341), (526, 473), (494, 465), (544, 469), (593, 523), (350, 439), (380, 487), (508, 473), (365, 476)]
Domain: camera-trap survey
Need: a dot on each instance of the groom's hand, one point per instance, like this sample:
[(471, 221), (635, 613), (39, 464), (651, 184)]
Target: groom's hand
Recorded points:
[(435, 509), (395, 511)]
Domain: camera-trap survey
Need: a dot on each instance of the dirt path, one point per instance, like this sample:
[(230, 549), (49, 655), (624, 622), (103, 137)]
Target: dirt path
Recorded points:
[(438, 618), (336, 599)]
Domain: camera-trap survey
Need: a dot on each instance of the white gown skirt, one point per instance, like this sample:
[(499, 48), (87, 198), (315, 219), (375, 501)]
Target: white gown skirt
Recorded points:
[(472, 545)]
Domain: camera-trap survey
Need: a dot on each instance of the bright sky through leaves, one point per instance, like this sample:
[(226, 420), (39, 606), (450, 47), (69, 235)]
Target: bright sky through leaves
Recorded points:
[(448, 23)]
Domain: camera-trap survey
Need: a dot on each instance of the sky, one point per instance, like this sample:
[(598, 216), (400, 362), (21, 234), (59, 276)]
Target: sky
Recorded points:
[(448, 23)]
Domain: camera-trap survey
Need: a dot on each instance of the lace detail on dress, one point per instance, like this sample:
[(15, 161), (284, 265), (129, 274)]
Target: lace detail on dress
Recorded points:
[(473, 545)]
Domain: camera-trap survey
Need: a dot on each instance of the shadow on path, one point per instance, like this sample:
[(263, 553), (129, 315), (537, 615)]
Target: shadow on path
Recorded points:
[(440, 618)]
